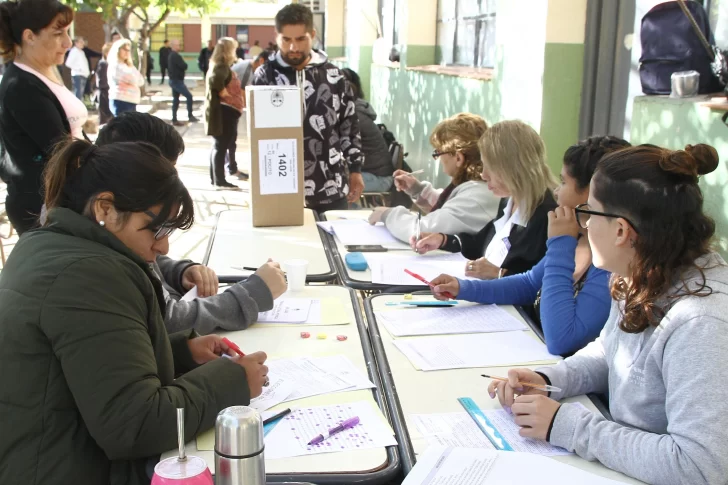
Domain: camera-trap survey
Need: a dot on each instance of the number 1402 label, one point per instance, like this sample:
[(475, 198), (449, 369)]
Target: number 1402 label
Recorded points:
[(278, 167)]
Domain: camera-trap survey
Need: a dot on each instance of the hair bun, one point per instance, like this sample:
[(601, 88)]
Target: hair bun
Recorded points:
[(705, 157), (693, 161)]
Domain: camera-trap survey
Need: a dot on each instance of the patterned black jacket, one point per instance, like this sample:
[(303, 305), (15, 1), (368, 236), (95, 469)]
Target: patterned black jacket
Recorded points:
[(332, 144)]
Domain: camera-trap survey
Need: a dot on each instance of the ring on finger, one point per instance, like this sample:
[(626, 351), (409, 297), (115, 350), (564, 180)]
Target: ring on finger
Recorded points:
[(267, 381), (470, 266)]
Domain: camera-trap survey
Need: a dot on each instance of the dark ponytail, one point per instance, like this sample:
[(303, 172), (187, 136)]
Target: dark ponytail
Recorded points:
[(20, 15), (136, 174)]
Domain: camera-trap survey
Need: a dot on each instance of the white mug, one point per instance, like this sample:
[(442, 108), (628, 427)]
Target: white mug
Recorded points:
[(296, 271)]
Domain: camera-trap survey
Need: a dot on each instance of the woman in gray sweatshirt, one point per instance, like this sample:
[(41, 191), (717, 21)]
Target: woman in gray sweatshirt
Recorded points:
[(662, 354), (235, 309)]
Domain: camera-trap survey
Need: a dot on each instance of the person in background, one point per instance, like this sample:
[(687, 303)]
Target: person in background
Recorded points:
[(240, 50), (237, 307), (105, 114), (36, 109), (177, 67), (244, 70), (515, 169), (223, 107), (115, 36), (255, 50), (465, 205), (377, 168), (164, 58), (570, 296), (79, 66), (86, 340), (125, 80), (272, 47), (661, 355), (150, 68), (332, 152), (203, 60)]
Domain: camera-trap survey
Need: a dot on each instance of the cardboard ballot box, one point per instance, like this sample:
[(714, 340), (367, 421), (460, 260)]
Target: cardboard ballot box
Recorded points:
[(275, 131)]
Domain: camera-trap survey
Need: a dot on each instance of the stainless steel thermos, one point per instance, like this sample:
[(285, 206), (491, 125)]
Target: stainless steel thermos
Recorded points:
[(239, 447)]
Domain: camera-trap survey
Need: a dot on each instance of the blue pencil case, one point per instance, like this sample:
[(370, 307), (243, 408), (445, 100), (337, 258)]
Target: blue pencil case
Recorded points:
[(356, 261)]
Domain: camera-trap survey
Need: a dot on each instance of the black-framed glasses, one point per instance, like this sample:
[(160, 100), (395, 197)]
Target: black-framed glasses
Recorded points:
[(165, 230), (436, 154), (583, 214)]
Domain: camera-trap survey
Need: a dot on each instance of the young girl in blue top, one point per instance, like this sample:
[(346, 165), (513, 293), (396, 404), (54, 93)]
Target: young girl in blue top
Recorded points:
[(570, 296)]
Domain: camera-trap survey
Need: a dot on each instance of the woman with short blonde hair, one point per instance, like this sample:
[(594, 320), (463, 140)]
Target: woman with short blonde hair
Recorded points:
[(514, 167), (125, 80), (465, 205), (223, 107)]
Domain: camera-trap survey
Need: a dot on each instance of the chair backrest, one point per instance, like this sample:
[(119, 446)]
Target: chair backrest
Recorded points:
[(397, 152)]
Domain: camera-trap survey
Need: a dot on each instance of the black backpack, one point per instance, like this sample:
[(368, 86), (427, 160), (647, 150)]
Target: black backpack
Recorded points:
[(670, 44)]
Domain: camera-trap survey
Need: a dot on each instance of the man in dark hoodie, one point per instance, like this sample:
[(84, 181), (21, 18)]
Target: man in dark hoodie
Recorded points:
[(332, 145)]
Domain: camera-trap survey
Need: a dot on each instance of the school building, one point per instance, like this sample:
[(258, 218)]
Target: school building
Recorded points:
[(567, 67)]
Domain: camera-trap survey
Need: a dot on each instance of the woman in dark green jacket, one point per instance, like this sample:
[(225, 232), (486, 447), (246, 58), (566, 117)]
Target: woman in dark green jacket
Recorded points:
[(223, 107), (90, 378)]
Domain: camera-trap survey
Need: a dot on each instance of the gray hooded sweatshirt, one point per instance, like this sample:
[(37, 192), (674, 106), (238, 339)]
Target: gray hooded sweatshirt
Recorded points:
[(235, 309), (666, 387)]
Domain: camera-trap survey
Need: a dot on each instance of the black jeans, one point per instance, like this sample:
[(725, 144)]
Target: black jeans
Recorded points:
[(164, 71), (224, 144), (23, 209)]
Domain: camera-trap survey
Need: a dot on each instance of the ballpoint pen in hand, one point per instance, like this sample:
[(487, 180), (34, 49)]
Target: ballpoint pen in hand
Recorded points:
[(417, 229), (349, 423), (540, 387), (447, 294)]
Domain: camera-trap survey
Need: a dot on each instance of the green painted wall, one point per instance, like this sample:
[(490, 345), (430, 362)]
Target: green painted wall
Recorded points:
[(335, 51), (674, 123), (359, 58), (419, 55), (562, 77), (411, 103)]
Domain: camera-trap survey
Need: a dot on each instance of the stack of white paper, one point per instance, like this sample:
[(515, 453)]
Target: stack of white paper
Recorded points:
[(460, 430), (440, 465), (463, 351), (454, 320), (388, 268), (300, 377), (360, 232)]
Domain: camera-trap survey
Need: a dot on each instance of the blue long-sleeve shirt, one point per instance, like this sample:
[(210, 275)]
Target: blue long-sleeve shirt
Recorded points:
[(568, 322)]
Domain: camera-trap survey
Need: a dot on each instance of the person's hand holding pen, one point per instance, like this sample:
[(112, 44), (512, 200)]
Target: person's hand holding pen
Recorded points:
[(429, 241), (445, 287), (531, 407), (406, 182)]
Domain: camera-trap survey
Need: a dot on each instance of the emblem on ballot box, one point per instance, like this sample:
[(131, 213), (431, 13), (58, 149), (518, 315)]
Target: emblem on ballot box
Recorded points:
[(277, 98)]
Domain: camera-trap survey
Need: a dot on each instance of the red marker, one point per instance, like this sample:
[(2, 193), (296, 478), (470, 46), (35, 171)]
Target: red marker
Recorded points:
[(233, 346), (447, 294)]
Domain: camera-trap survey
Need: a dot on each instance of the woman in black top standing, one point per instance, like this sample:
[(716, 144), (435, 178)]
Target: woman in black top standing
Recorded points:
[(34, 112)]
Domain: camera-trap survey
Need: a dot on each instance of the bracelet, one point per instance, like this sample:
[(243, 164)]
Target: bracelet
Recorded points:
[(444, 240), (460, 243)]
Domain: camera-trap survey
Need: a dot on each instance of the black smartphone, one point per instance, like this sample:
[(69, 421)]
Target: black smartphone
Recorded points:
[(366, 248)]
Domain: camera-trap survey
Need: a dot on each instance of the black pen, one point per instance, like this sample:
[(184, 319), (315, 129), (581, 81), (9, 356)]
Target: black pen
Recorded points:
[(244, 268), (276, 416)]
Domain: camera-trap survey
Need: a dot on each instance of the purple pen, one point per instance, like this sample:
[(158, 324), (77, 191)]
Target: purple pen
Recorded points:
[(349, 423)]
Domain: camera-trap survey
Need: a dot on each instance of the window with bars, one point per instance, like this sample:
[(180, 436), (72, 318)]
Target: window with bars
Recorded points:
[(466, 32)]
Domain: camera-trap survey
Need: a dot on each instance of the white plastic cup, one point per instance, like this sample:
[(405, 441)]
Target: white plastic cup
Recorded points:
[(296, 270)]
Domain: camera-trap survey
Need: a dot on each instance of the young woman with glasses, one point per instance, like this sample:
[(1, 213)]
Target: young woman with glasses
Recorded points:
[(569, 296), (662, 353), (465, 205), (82, 337)]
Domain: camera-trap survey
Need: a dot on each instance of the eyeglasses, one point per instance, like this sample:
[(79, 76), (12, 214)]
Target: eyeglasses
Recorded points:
[(436, 154), (584, 213), (165, 230)]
